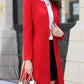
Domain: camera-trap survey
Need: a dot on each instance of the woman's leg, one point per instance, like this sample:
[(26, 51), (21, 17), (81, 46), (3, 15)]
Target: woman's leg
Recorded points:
[(52, 64)]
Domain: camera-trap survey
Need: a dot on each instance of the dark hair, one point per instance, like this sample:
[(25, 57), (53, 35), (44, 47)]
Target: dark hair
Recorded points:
[(57, 3)]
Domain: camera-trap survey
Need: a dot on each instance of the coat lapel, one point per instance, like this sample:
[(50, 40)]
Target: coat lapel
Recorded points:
[(53, 10), (47, 10)]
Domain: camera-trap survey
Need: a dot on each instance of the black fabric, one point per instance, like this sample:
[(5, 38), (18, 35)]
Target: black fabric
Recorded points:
[(53, 69)]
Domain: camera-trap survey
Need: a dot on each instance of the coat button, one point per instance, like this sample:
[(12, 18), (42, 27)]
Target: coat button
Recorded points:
[(47, 4)]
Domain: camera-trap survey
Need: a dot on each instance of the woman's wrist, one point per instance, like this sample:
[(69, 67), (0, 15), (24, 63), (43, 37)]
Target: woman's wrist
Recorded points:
[(28, 60)]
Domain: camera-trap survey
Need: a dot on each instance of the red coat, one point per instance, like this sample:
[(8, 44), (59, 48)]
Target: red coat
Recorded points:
[(36, 40)]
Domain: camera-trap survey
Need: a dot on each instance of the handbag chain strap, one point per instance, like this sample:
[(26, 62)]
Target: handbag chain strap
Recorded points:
[(26, 81)]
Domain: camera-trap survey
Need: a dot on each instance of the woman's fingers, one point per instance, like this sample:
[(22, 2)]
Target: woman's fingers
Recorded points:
[(55, 30), (55, 25), (28, 71)]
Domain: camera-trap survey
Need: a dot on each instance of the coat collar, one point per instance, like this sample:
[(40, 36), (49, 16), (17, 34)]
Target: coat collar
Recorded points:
[(54, 9), (51, 6)]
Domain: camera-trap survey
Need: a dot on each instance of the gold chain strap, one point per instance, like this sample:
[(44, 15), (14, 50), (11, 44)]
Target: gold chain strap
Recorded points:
[(26, 81)]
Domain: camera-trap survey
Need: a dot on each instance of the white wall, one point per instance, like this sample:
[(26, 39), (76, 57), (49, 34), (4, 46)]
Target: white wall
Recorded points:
[(8, 43), (6, 13), (74, 70)]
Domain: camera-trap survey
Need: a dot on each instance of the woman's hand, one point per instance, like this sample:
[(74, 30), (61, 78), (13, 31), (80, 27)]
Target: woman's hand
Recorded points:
[(28, 66), (56, 31)]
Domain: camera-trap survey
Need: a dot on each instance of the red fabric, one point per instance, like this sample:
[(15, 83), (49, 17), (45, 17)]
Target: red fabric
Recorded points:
[(36, 40)]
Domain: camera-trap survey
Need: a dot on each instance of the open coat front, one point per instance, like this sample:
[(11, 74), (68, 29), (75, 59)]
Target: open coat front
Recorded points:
[(36, 40)]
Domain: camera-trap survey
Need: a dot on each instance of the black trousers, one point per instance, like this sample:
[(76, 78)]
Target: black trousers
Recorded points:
[(53, 68)]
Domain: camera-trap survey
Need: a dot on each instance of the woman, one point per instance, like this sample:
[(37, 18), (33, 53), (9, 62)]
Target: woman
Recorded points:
[(41, 33)]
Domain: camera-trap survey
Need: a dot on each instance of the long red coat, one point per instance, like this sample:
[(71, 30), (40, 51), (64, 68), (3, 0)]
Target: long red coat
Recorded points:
[(36, 40)]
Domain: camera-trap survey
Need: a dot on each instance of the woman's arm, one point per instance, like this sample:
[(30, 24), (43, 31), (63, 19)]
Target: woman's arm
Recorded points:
[(27, 30)]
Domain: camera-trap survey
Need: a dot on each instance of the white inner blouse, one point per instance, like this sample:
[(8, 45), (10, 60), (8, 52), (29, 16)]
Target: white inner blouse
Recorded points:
[(51, 18)]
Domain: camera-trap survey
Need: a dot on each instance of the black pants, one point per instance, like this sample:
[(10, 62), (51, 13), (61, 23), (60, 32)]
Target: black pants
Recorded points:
[(53, 69)]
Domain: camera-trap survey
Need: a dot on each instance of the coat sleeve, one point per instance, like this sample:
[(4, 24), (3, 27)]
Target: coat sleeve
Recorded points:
[(27, 30), (59, 38)]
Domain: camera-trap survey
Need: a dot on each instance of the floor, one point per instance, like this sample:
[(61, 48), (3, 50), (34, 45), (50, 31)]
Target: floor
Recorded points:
[(9, 82)]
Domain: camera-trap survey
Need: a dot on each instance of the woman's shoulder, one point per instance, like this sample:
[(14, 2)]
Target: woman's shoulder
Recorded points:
[(29, 2)]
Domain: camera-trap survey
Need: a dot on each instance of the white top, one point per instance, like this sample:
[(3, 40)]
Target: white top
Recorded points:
[(51, 18)]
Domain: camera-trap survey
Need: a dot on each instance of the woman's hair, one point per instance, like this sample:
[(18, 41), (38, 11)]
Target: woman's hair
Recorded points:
[(57, 3)]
